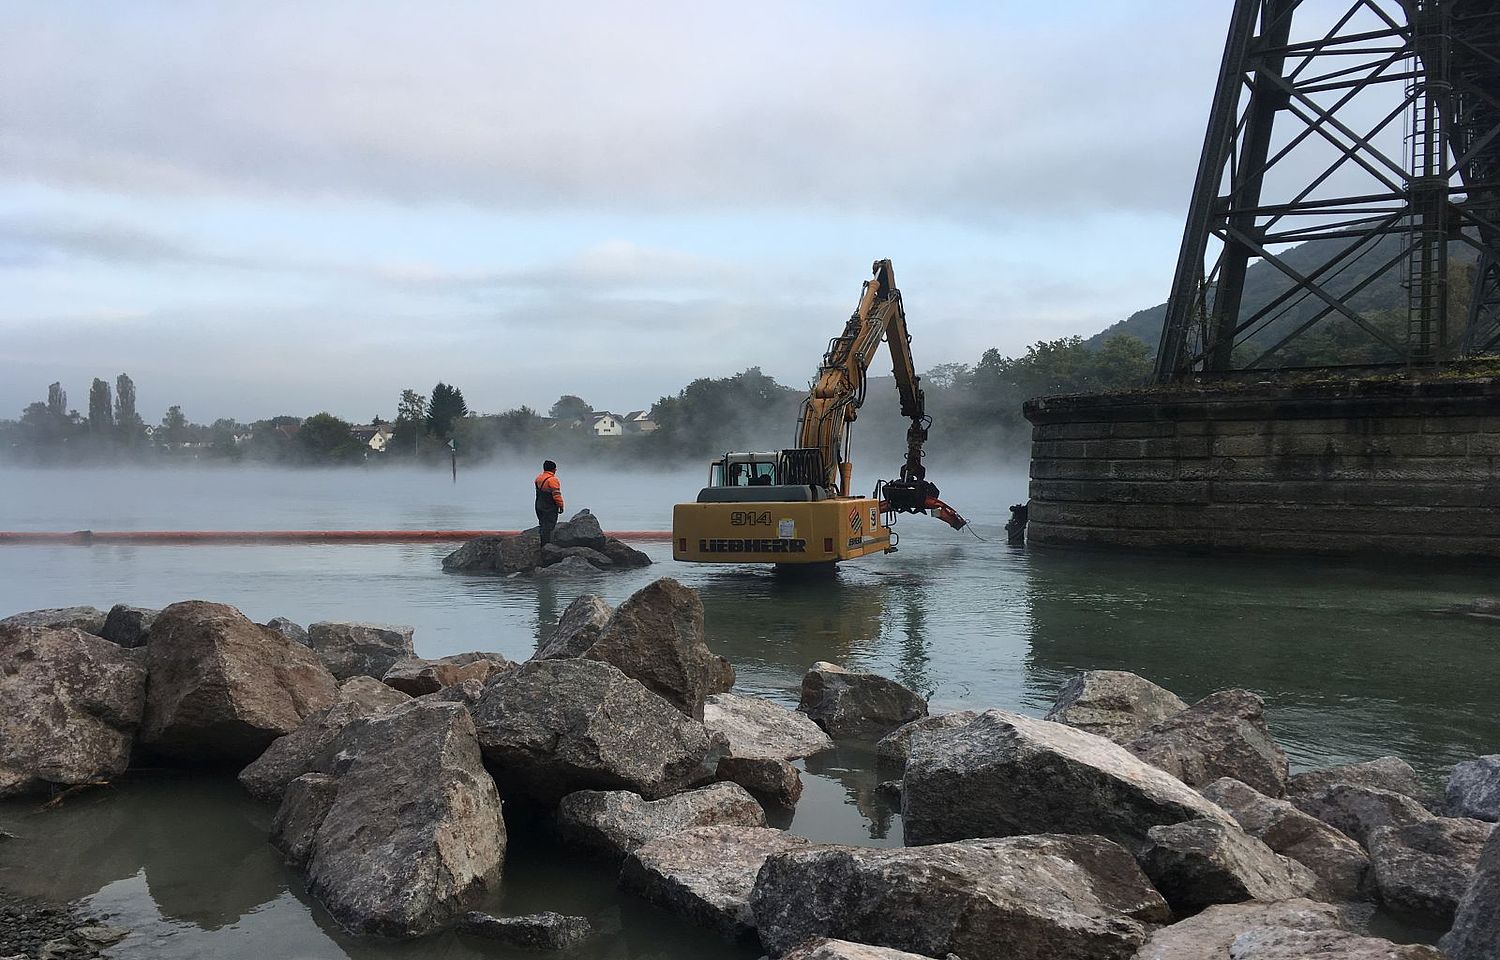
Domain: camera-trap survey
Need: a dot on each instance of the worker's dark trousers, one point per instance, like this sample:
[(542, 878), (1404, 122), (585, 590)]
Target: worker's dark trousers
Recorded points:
[(548, 520)]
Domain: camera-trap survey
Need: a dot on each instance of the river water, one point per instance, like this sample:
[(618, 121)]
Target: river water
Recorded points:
[(1354, 659)]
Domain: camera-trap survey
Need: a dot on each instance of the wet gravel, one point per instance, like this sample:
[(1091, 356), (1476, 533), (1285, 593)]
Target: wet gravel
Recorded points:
[(27, 925)]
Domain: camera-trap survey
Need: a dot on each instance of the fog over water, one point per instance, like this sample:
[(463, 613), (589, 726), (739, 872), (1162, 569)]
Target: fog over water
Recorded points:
[(1350, 656)]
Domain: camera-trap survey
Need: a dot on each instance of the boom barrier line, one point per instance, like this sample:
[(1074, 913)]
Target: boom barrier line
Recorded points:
[(170, 537)]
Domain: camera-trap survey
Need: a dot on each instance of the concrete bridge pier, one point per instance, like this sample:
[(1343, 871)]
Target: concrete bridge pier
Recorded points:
[(1378, 466)]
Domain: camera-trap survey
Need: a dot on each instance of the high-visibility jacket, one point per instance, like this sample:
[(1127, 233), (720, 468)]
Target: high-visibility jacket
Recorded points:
[(548, 491)]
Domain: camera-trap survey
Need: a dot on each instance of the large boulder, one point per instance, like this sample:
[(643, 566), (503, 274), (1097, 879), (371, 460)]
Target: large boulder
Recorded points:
[(551, 727), (1339, 862), (773, 782), (610, 824), (1355, 811), (70, 703), (413, 837), (1004, 774), (1288, 930), (1422, 870), (350, 648), (87, 619), (566, 567), (1114, 704), (222, 688), (1203, 862), (1476, 925), (623, 556), (656, 636), (128, 626), (535, 931), (756, 727), (1042, 897), (306, 748), (498, 555), (304, 805), (577, 629), (1222, 735), (1474, 789), (1382, 773), (894, 749), (706, 874), (581, 530), (416, 677), (856, 704)]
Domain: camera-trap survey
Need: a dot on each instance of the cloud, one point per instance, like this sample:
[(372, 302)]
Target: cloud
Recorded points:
[(678, 106)]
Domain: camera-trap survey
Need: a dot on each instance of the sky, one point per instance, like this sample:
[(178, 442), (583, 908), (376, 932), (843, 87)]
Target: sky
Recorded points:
[(266, 208)]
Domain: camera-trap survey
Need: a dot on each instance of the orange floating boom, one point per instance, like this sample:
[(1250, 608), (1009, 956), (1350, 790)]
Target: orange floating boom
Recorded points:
[(166, 537)]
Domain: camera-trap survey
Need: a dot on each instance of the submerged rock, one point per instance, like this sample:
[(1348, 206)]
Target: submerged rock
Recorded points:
[(1288, 930), (826, 949), (756, 727), (610, 824), (416, 677), (1222, 735), (552, 553), (1204, 862), (1424, 869), (1382, 773), (535, 931), (1476, 924), (70, 705), (574, 540), (1474, 789), (1356, 811), (769, 780), (656, 637), (87, 619), (350, 648), (498, 555), (413, 836), (223, 688), (706, 874), (894, 749), (1114, 704), (567, 567), (623, 556), (577, 629), (856, 704), (1024, 898), (551, 727), (128, 626), (1004, 774), (1339, 862)]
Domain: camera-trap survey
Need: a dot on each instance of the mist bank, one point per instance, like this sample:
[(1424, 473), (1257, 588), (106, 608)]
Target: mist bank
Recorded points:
[(974, 411)]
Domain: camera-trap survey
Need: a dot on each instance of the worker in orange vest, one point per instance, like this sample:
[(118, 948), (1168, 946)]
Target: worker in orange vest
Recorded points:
[(549, 500)]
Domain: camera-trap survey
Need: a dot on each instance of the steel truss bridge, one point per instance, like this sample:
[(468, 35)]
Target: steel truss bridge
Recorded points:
[(1374, 127)]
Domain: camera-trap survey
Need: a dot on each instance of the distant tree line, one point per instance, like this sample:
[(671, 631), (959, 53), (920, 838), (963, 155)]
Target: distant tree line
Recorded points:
[(976, 411)]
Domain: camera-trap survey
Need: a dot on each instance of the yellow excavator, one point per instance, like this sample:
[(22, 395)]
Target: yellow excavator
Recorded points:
[(794, 506)]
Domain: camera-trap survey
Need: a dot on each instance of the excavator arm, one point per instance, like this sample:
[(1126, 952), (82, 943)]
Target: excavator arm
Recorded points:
[(833, 403)]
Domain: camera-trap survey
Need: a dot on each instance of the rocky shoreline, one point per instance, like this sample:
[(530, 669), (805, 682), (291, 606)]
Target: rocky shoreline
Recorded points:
[(51, 931), (1126, 825)]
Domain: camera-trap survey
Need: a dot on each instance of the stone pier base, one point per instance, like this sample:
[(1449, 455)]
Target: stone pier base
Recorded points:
[(1393, 467)]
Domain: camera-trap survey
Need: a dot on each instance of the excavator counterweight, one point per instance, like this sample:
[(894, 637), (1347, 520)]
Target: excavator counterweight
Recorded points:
[(796, 506)]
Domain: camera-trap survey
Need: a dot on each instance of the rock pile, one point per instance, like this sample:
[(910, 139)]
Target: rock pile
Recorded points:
[(1080, 837), (578, 546)]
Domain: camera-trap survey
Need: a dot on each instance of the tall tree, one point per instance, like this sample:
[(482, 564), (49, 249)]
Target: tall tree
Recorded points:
[(126, 418), (57, 400), (174, 424), (326, 439), (411, 420), (101, 409), (447, 405), (569, 407)]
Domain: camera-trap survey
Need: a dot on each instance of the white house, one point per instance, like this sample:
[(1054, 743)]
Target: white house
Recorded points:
[(639, 421), (606, 425)]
